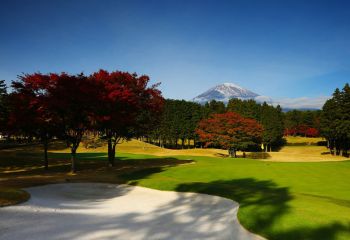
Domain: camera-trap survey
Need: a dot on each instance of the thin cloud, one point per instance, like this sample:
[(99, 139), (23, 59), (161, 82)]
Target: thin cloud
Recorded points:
[(302, 102)]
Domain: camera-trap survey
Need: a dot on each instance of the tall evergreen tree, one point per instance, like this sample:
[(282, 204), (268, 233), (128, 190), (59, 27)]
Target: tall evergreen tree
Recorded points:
[(214, 107), (272, 120), (178, 123), (335, 121)]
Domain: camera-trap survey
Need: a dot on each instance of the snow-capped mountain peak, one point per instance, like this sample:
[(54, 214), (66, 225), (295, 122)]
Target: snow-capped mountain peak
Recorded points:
[(224, 92)]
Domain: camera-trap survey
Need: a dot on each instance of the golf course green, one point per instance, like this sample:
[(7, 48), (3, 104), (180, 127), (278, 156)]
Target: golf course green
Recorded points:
[(277, 200)]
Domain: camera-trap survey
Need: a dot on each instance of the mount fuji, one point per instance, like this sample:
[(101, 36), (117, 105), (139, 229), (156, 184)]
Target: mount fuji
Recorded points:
[(224, 92)]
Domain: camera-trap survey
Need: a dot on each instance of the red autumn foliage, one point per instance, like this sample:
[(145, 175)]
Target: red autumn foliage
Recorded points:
[(30, 113), (302, 130), (115, 104), (312, 132), (290, 132), (122, 99), (229, 130)]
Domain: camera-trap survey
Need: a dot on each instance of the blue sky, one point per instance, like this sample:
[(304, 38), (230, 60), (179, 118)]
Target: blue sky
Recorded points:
[(281, 49)]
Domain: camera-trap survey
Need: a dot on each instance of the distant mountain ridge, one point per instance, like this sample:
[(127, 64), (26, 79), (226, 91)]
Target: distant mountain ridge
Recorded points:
[(224, 92)]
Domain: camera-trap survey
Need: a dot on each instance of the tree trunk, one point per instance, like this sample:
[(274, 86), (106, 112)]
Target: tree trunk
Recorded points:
[(182, 143), (243, 154), (109, 150), (111, 154), (112, 143), (232, 152), (112, 162), (337, 151), (46, 159), (73, 160)]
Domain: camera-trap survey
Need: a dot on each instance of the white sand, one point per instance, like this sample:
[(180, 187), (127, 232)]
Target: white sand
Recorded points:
[(107, 211)]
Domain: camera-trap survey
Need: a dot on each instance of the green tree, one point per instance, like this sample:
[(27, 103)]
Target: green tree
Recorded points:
[(177, 122), (335, 121), (272, 120), (214, 107)]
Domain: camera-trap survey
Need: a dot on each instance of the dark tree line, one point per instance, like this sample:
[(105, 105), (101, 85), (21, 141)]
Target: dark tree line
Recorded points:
[(176, 126), (180, 119), (3, 106), (335, 121)]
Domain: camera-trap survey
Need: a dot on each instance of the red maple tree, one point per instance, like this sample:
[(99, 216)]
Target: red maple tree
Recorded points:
[(123, 105), (312, 132), (29, 110), (116, 104), (230, 131), (72, 102)]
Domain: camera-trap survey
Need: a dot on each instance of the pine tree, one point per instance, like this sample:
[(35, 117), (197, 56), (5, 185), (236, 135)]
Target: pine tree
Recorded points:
[(335, 121)]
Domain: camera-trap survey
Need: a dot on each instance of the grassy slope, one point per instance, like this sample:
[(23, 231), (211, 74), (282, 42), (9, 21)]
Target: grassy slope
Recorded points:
[(304, 153), (303, 140), (138, 147)]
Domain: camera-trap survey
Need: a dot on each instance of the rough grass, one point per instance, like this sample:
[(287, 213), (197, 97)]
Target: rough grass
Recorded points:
[(299, 153), (139, 147), (304, 154), (297, 140)]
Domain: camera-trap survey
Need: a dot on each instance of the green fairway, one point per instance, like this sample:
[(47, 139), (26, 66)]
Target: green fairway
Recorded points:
[(277, 200)]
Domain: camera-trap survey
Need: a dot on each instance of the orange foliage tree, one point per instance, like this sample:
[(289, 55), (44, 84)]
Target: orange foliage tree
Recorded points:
[(230, 131)]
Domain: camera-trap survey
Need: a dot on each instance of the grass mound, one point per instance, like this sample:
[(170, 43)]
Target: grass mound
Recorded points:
[(11, 196)]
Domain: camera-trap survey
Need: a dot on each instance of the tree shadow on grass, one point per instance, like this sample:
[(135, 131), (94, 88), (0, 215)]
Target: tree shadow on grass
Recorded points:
[(325, 232), (265, 201), (92, 167), (262, 204)]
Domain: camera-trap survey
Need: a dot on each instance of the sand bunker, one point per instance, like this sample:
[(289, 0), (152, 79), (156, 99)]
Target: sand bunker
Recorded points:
[(108, 211)]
